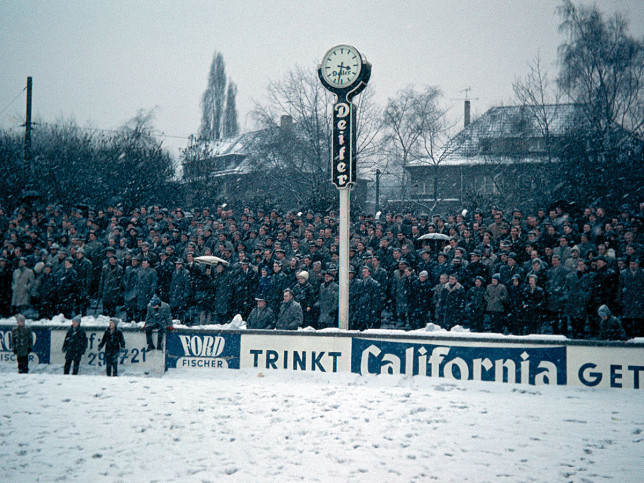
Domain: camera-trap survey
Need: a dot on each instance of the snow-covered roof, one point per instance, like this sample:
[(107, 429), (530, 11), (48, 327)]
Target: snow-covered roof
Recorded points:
[(507, 123)]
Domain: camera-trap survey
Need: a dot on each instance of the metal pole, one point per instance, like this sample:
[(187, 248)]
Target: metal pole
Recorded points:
[(377, 190), (28, 121), (343, 269)]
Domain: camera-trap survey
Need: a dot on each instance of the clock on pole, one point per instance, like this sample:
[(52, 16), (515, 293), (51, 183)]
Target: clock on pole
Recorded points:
[(344, 72)]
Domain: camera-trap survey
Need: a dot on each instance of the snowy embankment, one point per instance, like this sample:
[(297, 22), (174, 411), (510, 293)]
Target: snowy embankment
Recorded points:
[(248, 425)]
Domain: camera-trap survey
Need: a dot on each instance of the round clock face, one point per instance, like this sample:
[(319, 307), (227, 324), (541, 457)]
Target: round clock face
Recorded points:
[(341, 66)]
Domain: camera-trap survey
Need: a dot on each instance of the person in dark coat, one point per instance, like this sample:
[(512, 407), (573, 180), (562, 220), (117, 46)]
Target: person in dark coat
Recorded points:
[(290, 316), (423, 307), (223, 294), (452, 303), (113, 341), (496, 296), (158, 317), (165, 269), (146, 286), (261, 317), (534, 299), (515, 321), (610, 328), (369, 304), (577, 298), (304, 294), (631, 297), (203, 285), (68, 288), (556, 294), (74, 345), (475, 305), (6, 276), (85, 271), (328, 302), (180, 291), (245, 288), (279, 282), (109, 287), (21, 342), (45, 291), (129, 288)]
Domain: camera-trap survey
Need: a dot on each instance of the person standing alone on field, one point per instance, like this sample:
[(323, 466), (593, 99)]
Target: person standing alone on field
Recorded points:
[(21, 340), (113, 341), (74, 346)]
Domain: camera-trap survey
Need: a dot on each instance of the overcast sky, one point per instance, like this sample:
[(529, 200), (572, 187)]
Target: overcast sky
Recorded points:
[(99, 62)]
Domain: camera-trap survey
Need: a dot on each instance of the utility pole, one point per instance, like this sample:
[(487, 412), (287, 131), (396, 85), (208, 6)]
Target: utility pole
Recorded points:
[(27, 146), (378, 172)]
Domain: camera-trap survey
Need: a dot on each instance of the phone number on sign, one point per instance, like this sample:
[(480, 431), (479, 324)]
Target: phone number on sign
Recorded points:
[(129, 356)]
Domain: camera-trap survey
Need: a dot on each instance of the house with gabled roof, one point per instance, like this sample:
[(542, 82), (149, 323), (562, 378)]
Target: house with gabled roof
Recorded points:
[(504, 157)]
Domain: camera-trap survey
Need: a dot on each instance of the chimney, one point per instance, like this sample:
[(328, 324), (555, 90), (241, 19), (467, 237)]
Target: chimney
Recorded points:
[(286, 122), (467, 113)]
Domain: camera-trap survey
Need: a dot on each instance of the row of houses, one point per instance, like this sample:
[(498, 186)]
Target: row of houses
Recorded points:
[(505, 153)]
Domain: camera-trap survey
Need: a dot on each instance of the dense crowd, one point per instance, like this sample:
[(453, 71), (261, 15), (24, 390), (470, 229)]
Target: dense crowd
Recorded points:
[(551, 271)]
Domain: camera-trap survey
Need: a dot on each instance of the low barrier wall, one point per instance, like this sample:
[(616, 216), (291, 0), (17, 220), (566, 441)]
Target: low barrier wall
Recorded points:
[(523, 360)]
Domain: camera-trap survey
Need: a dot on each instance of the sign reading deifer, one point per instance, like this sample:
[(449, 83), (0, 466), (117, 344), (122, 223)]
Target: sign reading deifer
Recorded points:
[(344, 145), (346, 73)]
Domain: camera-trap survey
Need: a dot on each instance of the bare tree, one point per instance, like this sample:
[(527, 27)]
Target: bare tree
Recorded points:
[(414, 127), (541, 98), (292, 155), (602, 69)]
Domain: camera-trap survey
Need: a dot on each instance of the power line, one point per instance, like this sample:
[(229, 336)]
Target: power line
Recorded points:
[(14, 100)]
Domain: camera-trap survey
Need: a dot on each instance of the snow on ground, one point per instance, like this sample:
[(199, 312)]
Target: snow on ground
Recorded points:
[(284, 426)]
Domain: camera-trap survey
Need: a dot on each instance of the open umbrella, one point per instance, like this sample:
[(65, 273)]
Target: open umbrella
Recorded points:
[(210, 260), (434, 236)]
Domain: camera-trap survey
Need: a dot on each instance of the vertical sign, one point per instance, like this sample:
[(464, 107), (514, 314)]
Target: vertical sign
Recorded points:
[(343, 172)]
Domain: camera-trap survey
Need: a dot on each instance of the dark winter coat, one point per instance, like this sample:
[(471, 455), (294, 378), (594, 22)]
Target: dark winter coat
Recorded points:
[(146, 285), (68, 287), (328, 304), (452, 305), (223, 294), (556, 288), (611, 329), (475, 302), (21, 341), (158, 318), (113, 341), (261, 318), (578, 288), (180, 289), (631, 293), (109, 287), (304, 294), (290, 317), (369, 304), (85, 272), (75, 343), (129, 284), (496, 297)]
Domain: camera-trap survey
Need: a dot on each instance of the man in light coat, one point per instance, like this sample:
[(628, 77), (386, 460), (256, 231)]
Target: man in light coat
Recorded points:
[(23, 279)]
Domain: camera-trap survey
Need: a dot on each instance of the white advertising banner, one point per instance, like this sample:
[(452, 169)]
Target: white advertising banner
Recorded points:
[(606, 367), (298, 353)]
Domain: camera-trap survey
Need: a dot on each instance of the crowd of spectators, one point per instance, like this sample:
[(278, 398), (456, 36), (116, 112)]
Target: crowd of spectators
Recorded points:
[(544, 272)]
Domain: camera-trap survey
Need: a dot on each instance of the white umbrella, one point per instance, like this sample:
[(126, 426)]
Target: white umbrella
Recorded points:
[(434, 236), (210, 260)]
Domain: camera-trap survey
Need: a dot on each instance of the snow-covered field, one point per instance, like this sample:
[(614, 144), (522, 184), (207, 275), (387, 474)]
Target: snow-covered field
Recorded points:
[(284, 426)]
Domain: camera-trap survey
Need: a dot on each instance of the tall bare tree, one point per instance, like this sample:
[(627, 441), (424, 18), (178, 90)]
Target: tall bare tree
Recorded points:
[(602, 70), (414, 127)]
